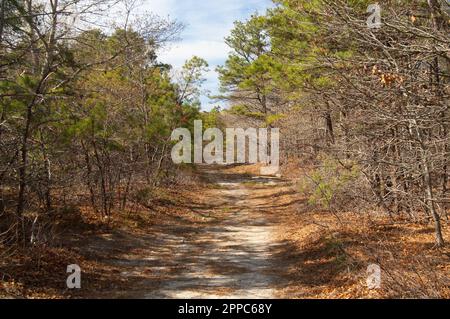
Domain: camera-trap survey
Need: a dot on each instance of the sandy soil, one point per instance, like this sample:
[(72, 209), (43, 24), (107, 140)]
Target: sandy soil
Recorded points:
[(237, 235), (232, 257), (221, 245)]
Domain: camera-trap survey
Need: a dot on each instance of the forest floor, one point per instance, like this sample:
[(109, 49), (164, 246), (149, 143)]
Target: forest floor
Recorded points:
[(234, 235)]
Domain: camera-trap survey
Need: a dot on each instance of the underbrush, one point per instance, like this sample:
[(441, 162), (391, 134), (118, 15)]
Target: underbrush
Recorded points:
[(34, 265), (339, 252)]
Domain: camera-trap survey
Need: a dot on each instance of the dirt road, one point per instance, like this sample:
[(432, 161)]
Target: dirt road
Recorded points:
[(232, 253), (236, 235), (231, 258)]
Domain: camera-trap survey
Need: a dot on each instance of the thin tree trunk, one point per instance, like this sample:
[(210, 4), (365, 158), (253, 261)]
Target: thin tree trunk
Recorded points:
[(429, 189), (24, 162), (432, 206), (47, 166), (102, 181), (89, 177), (2, 19)]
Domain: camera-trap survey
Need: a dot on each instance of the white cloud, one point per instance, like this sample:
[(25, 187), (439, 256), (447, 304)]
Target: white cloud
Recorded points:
[(207, 24), (212, 51), (160, 7)]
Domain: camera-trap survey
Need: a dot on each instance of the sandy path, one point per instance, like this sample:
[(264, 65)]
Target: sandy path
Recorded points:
[(230, 258)]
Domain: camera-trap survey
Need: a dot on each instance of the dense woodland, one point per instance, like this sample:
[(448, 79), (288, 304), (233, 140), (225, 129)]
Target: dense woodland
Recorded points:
[(369, 108), (87, 109)]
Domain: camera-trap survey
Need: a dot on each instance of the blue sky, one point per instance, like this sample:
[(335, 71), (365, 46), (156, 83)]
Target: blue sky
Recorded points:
[(207, 23)]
